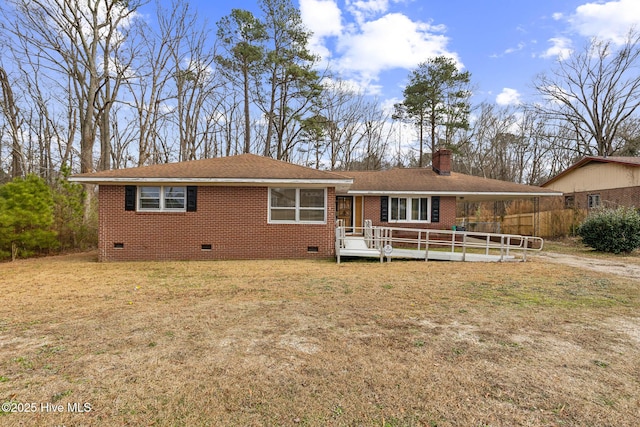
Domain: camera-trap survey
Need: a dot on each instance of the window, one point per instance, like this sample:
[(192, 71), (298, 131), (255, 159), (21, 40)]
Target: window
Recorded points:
[(292, 205), (569, 202), (149, 198), (174, 198), (593, 201), (162, 199), (409, 209)]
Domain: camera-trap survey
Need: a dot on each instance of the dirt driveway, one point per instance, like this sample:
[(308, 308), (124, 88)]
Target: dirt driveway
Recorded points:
[(618, 267)]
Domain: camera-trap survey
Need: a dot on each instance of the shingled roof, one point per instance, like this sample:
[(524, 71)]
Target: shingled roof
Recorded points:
[(250, 169), (426, 181), (243, 168)]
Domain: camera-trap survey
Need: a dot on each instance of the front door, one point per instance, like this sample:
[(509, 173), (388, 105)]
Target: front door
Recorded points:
[(344, 210)]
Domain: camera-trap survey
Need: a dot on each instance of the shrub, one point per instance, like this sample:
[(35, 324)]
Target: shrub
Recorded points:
[(612, 230)]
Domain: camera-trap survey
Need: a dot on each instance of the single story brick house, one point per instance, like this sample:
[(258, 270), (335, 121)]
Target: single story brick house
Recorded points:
[(249, 207), (596, 181)]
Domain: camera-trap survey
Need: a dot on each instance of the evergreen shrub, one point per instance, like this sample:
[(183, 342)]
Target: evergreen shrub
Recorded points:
[(612, 230)]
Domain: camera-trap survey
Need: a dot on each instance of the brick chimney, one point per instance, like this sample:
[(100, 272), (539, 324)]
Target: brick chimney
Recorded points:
[(441, 162)]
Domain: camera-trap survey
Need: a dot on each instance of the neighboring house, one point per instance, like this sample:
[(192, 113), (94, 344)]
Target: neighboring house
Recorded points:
[(599, 181), (247, 206)]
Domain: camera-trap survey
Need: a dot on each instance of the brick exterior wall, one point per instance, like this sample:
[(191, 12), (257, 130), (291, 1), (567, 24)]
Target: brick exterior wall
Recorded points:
[(447, 215), (627, 196), (233, 220)]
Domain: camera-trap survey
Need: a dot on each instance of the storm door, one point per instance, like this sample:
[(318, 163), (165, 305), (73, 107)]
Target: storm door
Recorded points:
[(344, 211)]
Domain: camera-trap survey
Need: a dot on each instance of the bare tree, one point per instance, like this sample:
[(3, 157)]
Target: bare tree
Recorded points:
[(594, 91), (533, 149), (230, 122), (629, 136), (116, 66), (13, 118), (376, 134), (193, 79), (151, 85), (68, 37), (74, 41), (484, 154), (344, 110)]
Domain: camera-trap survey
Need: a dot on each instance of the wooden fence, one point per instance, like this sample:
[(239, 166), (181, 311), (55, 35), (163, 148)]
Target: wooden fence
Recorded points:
[(554, 223)]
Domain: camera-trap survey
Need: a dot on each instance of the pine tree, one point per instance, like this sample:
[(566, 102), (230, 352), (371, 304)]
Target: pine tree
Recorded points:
[(26, 217), (437, 96)]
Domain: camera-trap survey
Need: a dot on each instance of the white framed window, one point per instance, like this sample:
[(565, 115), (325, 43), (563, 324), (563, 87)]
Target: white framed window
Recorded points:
[(409, 209), (297, 205), (162, 199), (175, 198), (593, 201)]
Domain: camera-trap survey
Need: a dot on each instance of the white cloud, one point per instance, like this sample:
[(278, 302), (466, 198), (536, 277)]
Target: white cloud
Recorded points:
[(509, 50), (365, 9), (364, 39), (392, 41), (561, 48), (343, 86), (323, 17), (508, 96), (610, 21), (518, 48)]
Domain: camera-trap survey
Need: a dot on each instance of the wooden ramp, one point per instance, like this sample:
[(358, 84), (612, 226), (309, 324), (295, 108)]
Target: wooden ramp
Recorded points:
[(387, 243)]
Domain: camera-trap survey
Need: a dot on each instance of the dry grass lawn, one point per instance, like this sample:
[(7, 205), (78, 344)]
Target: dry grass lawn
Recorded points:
[(312, 343)]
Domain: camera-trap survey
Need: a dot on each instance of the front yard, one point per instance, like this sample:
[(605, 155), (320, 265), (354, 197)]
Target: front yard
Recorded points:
[(314, 343)]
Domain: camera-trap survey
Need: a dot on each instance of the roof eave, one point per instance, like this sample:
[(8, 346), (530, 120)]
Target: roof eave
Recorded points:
[(586, 160), (514, 194), (211, 181)]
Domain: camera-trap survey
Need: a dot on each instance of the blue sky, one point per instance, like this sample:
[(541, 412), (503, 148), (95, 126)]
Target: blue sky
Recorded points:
[(503, 43)]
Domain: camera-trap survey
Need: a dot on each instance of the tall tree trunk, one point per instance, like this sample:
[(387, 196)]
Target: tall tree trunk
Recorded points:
[(247, 119), (11, 112)]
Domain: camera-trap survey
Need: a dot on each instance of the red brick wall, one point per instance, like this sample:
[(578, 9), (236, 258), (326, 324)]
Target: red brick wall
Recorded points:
[(628, 196), (447, 215), (441, 162), (231, 219)]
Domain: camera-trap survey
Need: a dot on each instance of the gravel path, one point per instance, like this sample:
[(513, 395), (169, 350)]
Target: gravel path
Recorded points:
[(620, 268)]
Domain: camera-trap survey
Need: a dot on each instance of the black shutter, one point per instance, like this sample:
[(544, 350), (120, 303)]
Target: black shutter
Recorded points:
[(192, 198), (129, 197), (384, 209), (435, 209)]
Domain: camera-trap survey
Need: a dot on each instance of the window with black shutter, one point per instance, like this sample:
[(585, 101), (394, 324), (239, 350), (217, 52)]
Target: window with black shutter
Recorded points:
[(408, 209), (156, 198)]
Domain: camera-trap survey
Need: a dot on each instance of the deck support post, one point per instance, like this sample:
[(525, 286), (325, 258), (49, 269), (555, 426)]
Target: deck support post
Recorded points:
[(464, 246), (426, 246)]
